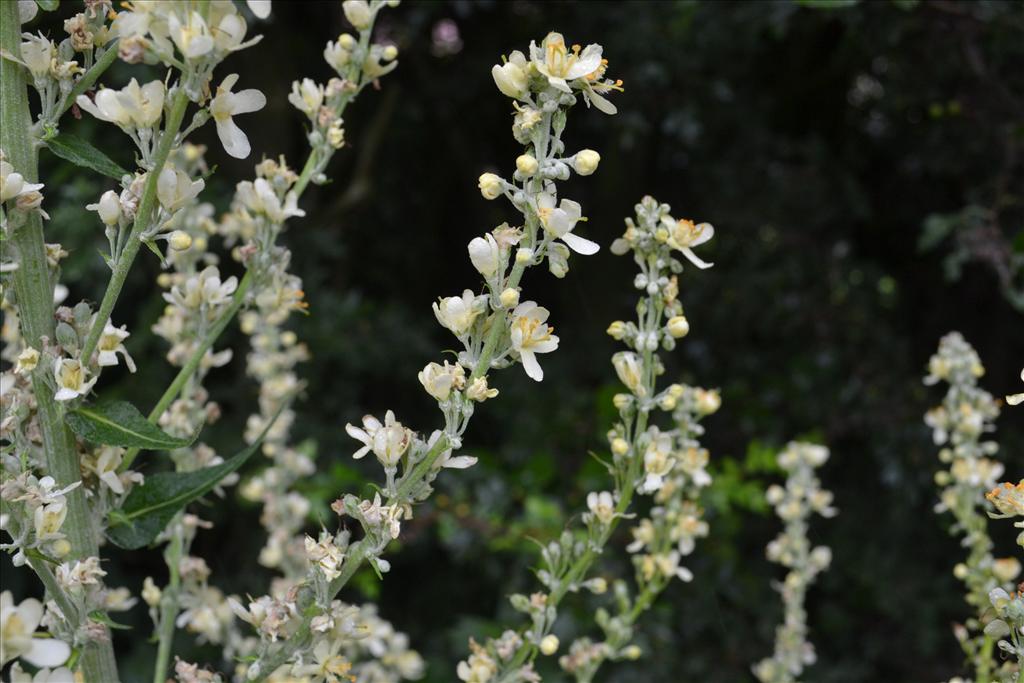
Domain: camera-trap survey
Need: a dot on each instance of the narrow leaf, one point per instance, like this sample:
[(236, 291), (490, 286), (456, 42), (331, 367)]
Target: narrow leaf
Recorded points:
[(150, 507), (81, 153), (47, 5), (120, 424)]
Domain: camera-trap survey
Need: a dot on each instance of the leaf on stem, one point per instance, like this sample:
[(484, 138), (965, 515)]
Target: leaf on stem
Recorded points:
[(81, 153), (149, 508), (119, 423)]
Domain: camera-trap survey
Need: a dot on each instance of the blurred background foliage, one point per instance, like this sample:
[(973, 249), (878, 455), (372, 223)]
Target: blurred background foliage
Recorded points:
[(862, 163)]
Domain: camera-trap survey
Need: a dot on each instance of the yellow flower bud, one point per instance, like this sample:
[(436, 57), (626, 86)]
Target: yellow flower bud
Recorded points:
[(617, 330), (661, 234), (510, 298), (179, 240), (632, 652), (491, 186), (678, 326), (620, 446), (390, 53), (60, 548), (549, 644), (524, 255), (527, 164), (586, 161)]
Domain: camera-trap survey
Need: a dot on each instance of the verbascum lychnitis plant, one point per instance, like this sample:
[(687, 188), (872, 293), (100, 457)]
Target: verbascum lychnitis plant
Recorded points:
[(68, 486), (795, 503), (668, 465), (306, 626), (960, 425)]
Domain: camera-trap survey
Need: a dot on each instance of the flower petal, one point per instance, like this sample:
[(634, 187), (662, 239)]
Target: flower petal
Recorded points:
[(695, 260), (530, 364), (47, 652), (247, 101), (581, 245), (235, 142)]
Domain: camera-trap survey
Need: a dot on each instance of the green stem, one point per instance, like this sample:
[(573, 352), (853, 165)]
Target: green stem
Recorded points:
[(143, 219), (42, 569), (169, 604), (89, 77), (194, 361), (34, 291)]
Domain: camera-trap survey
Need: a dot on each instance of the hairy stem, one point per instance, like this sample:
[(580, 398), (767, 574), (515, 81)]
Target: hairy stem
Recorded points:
[(169, 603), (34, 292)]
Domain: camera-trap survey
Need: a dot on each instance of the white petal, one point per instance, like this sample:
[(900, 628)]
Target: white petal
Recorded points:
[(581, 245), (261, 8), (235, 142), (532, 367), (460, 462), (111, 479), (588, 62), (707, 231), (247, 101), (47, 652), (600, 102), (688, 253), (65, 394), (559, 84)]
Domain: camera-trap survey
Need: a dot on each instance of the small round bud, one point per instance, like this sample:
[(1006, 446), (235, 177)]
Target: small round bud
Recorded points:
[(60, 547), (549, 644), (617, 330), (179, 240), (358, 13), (347, 41), (390, 53), (632, 652), (667, 402), (598, 586), (621, 401), (510, 298), (524, 255), (661, 234), (585, 162), (491, 186), (527, 164), (678, 326), (960, 571), (289, 338), (620, 446)]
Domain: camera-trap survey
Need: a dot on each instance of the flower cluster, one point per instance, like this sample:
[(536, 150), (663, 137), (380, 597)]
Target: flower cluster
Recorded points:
[(1008, 628), (801, 497), (669, 465), (959, 426), (1008, 500)]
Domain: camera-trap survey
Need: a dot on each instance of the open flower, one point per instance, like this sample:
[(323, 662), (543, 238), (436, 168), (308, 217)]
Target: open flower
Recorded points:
[(1016, 399), (512, 77), (559, 222), (72, 379), (60, 675), (457, 313), (193, 37), (133, 106), (307, 97), (227, 104), (259, 197), (388, 441), (204, 289), (531, 335), (12, 183), (174, 188), (439, 381), (17, 625), (683, 235), (601, 505), (112, 343), (561, 65)]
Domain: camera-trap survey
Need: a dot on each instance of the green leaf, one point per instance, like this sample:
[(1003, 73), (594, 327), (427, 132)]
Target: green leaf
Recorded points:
[(120, 424), (101, 617), (150, 507), (47, 5), (81, 153)]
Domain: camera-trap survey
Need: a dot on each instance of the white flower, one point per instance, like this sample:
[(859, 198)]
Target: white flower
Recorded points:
[(683, 235), (479, 391), (630, 370), (132, 106), (553, 60), (668, 565), (259, 197), (531, 335), (61, 675), (326, 555), (204, 289), (108, 208), (678, 326), (485, 254), (307, 97), (658, 461), (28, 359), (560, 221), (227, 104), (37, 53), (260, 8), (601, 505), (193, 37), (1016, 399), (175, 188), (511, 77), (112, 343), (13, 185), (439, 381), (17, 624), (388, 441), (457, 313), (72, 379)]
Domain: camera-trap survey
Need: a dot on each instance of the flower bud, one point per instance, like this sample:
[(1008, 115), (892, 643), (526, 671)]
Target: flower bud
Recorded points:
[(510, 79), (585, 162), (678, 326), (598, 585), (27, 361), (108, 208), (180, 240), (390, 53), (485, 254), (510, 298), (60, 548), (617, 330), (708, 402), (479, 391), (150, 592), (527, 164), (549, 644), (524, 255), (491, 186), (358, 13), (632, 652), (620, 446)]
